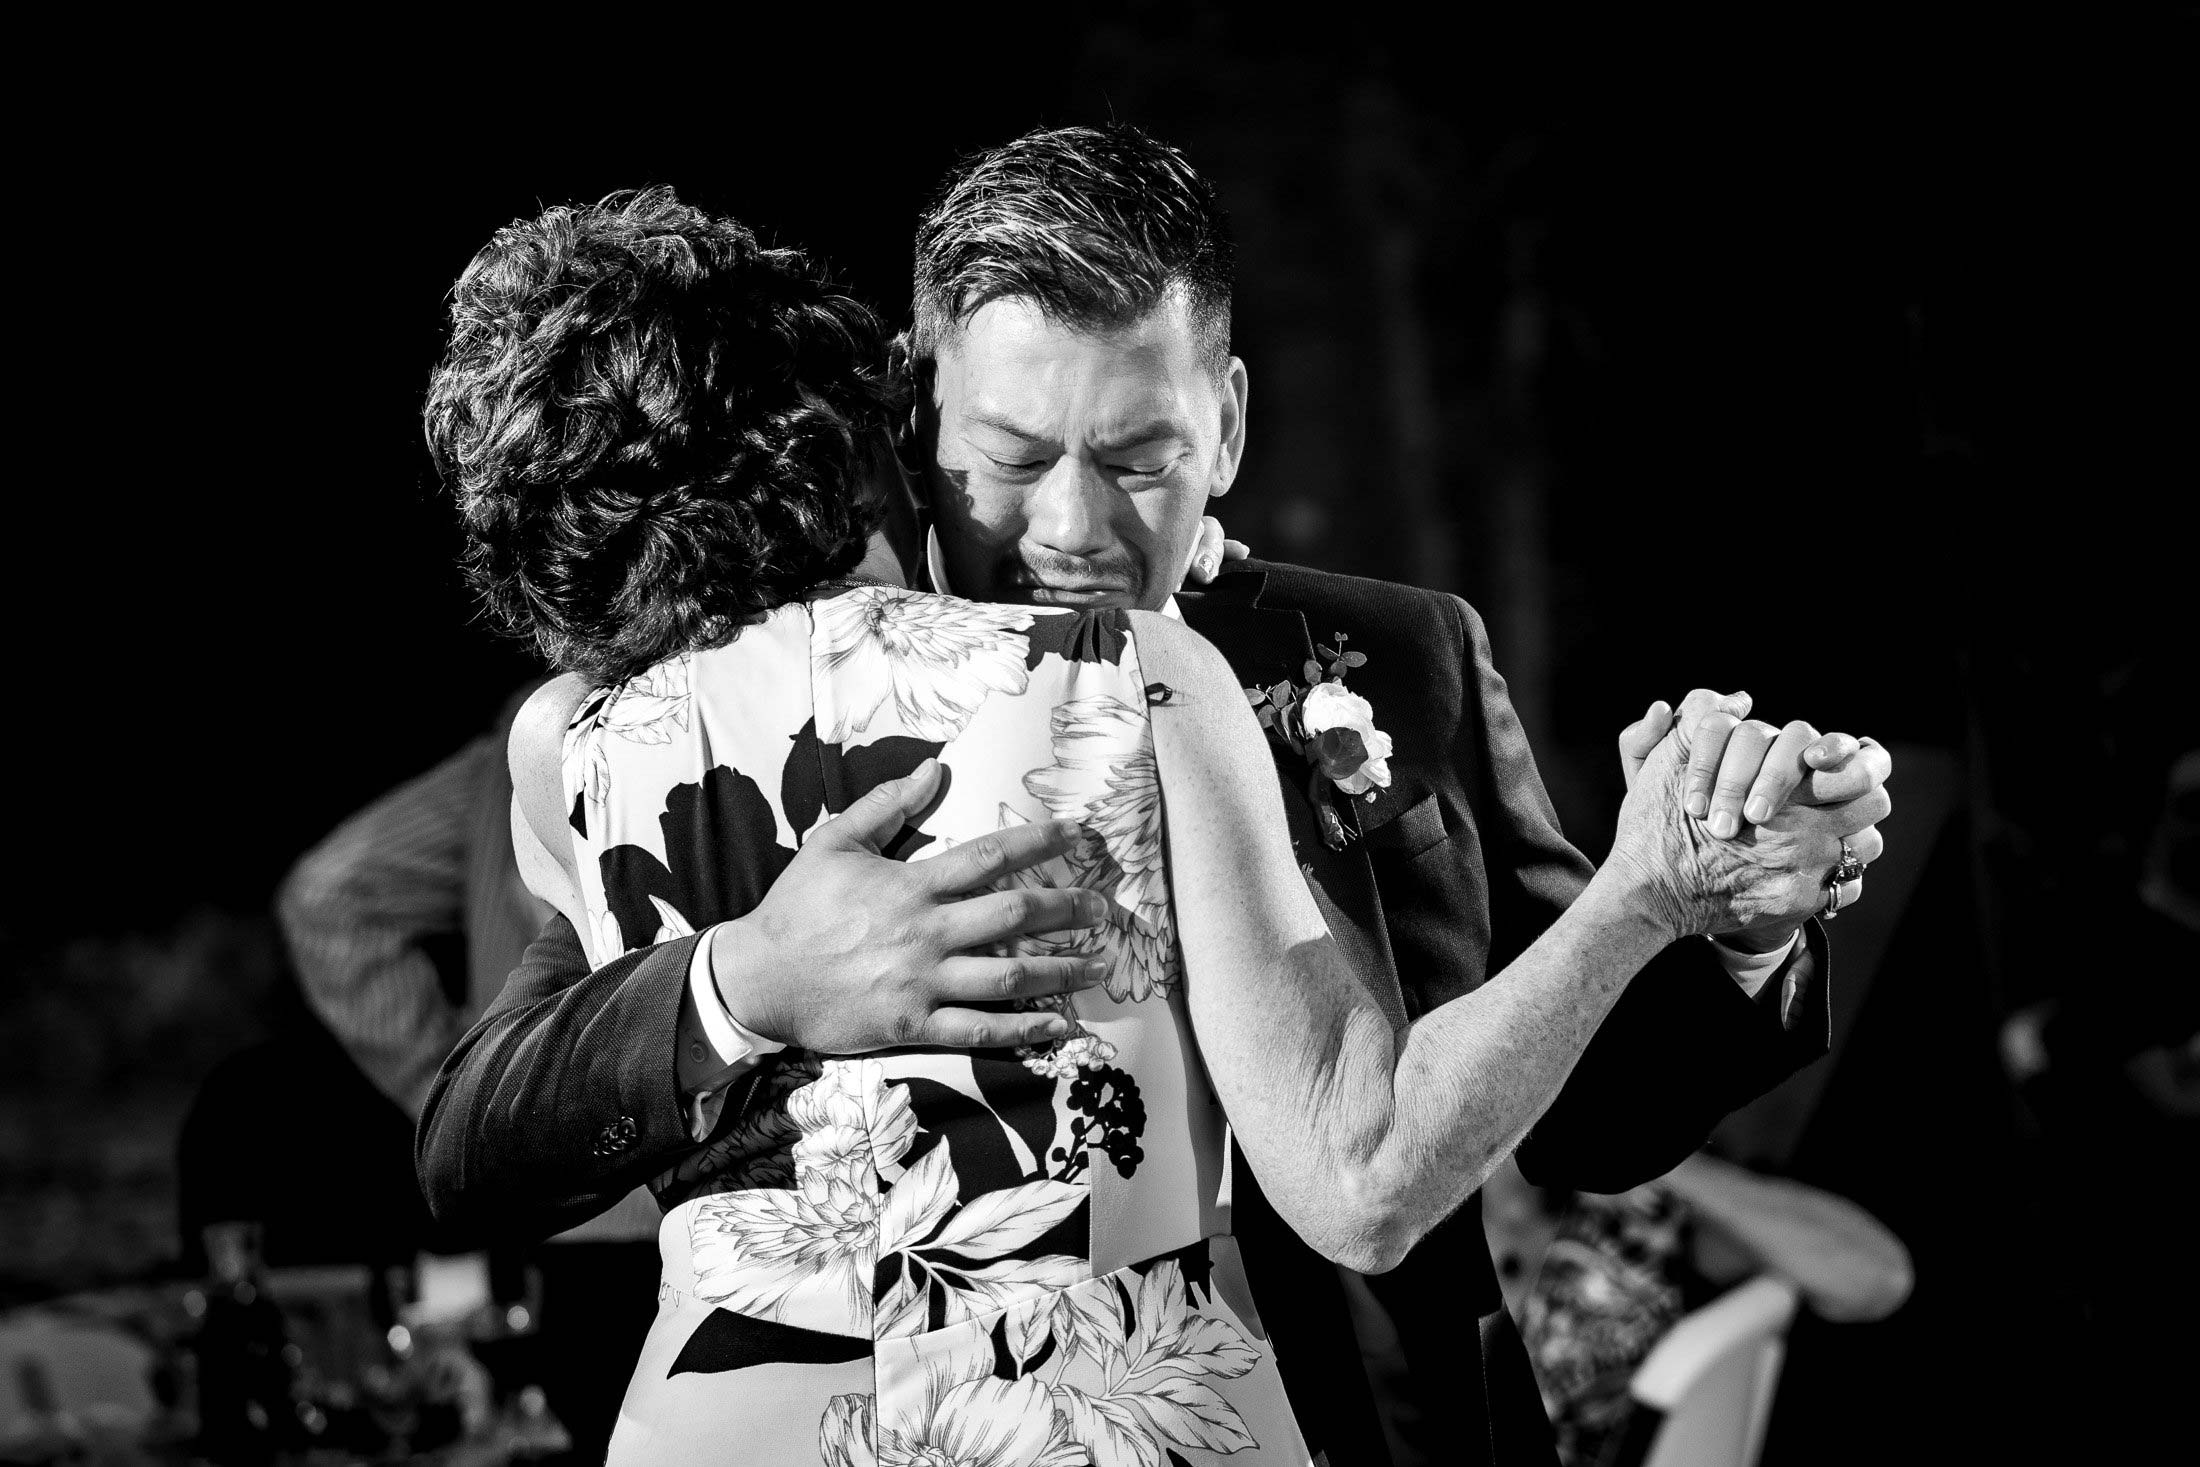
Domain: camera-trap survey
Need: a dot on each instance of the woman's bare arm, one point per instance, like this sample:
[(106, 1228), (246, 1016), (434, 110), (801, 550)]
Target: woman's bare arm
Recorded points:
[(1363, 1137), (542, 842)]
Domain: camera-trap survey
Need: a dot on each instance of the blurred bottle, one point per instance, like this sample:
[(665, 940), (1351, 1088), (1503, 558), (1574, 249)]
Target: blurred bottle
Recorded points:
[(245, 1411), (531, 1433)]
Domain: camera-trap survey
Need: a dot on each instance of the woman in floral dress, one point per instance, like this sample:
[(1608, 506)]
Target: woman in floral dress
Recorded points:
[(929, 1255), (664, 440)]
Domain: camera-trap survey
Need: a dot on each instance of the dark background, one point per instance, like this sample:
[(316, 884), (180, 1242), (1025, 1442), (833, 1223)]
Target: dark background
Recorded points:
[(1842, 358)]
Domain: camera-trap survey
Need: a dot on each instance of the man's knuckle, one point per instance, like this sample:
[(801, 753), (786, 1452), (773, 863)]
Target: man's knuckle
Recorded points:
[(907, 1028)]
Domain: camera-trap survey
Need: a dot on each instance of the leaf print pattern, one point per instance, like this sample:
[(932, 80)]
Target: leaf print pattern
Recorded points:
[(645, 709), (863, 1245), (935, 1270), (1146, 1358), (1104, 777), (933, 658), (1157, 1356), (806, 1255), (979, 1423)]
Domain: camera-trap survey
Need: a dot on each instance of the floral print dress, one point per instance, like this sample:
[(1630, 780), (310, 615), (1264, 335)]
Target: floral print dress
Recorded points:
[(955, 1259)]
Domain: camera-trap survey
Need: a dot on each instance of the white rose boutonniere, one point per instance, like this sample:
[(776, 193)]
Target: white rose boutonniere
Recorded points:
[(1333, 729), (1343, 739)]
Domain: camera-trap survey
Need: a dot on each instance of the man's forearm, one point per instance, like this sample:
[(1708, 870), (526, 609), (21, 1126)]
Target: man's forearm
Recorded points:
[(1681, 1048), (564, 1097)]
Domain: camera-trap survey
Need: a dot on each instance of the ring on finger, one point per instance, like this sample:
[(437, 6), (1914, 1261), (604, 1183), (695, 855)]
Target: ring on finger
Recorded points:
[(1847, 869)]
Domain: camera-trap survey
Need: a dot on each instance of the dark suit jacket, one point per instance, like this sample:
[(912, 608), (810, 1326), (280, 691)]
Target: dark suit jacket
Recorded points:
[(563, 1097)]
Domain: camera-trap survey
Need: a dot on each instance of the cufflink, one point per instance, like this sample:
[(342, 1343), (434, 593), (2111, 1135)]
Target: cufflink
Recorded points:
[(617, 1137)]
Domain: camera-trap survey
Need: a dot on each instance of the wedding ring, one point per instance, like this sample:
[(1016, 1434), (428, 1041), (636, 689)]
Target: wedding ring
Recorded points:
[(1833, 901)]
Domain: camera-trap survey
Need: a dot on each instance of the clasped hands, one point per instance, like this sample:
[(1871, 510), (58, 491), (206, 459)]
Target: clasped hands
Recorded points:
[(1732, 827)]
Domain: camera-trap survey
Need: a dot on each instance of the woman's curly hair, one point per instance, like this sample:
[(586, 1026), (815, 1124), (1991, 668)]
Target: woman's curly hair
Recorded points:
[(655, 427)]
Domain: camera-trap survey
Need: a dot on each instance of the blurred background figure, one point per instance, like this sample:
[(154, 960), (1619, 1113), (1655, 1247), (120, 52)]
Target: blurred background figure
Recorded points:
[(2093, 1050), (402, 925), (1596, 1282)]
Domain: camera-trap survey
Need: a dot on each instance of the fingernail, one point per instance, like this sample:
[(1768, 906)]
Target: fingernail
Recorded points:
[(1207, 566), (1096, 969), (1723, 825), (1093, 907), (1699, 806), (1758, 809), (1054, 1028)]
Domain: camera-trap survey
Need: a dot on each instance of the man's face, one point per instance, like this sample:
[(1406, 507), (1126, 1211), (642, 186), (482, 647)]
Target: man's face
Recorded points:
[(1071, 468)]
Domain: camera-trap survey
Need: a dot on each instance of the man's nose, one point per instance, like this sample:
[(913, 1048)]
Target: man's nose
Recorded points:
[(1072, 510)]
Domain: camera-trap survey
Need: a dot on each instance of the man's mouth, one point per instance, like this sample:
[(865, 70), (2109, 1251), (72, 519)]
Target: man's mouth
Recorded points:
[(1079, 593), (1071, 585), (1076, 594)]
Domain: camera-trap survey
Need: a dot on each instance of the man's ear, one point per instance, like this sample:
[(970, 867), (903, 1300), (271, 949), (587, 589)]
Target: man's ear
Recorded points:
[(1232, 449)]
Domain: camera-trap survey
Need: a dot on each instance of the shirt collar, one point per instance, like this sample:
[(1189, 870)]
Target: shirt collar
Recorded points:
[(935, 566)]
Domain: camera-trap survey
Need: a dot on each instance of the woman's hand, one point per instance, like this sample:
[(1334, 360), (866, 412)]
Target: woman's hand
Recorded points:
[(1211, 551)]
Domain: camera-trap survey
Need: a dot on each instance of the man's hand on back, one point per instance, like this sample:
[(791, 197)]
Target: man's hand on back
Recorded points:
[(851, 951)]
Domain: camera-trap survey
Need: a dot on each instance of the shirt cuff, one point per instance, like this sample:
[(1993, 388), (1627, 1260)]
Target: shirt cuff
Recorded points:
[(738, 1048), (725, 1033), (1750, 970)]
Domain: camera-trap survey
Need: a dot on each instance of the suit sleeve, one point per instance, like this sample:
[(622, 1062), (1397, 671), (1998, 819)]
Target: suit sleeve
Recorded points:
[(1684, 1045), (563, 1098)]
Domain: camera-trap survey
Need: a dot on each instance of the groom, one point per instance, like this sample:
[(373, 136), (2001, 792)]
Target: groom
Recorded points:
[(1077, 406)]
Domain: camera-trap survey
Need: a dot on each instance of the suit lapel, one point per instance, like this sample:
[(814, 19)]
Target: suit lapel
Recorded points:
[(1265, 645)]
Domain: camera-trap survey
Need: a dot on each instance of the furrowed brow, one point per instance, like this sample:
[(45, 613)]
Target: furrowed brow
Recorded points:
[(1148, 434), (1002, 423)]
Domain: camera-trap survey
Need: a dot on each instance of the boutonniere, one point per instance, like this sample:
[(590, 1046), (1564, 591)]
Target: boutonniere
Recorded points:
[(1333, 729)]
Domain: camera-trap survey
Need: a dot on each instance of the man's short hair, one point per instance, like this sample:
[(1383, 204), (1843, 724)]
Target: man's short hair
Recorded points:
[(655, 428), (1096, 226)]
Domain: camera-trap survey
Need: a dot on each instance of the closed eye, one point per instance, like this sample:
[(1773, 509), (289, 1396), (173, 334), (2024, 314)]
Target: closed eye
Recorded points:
[(1145, 472)]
